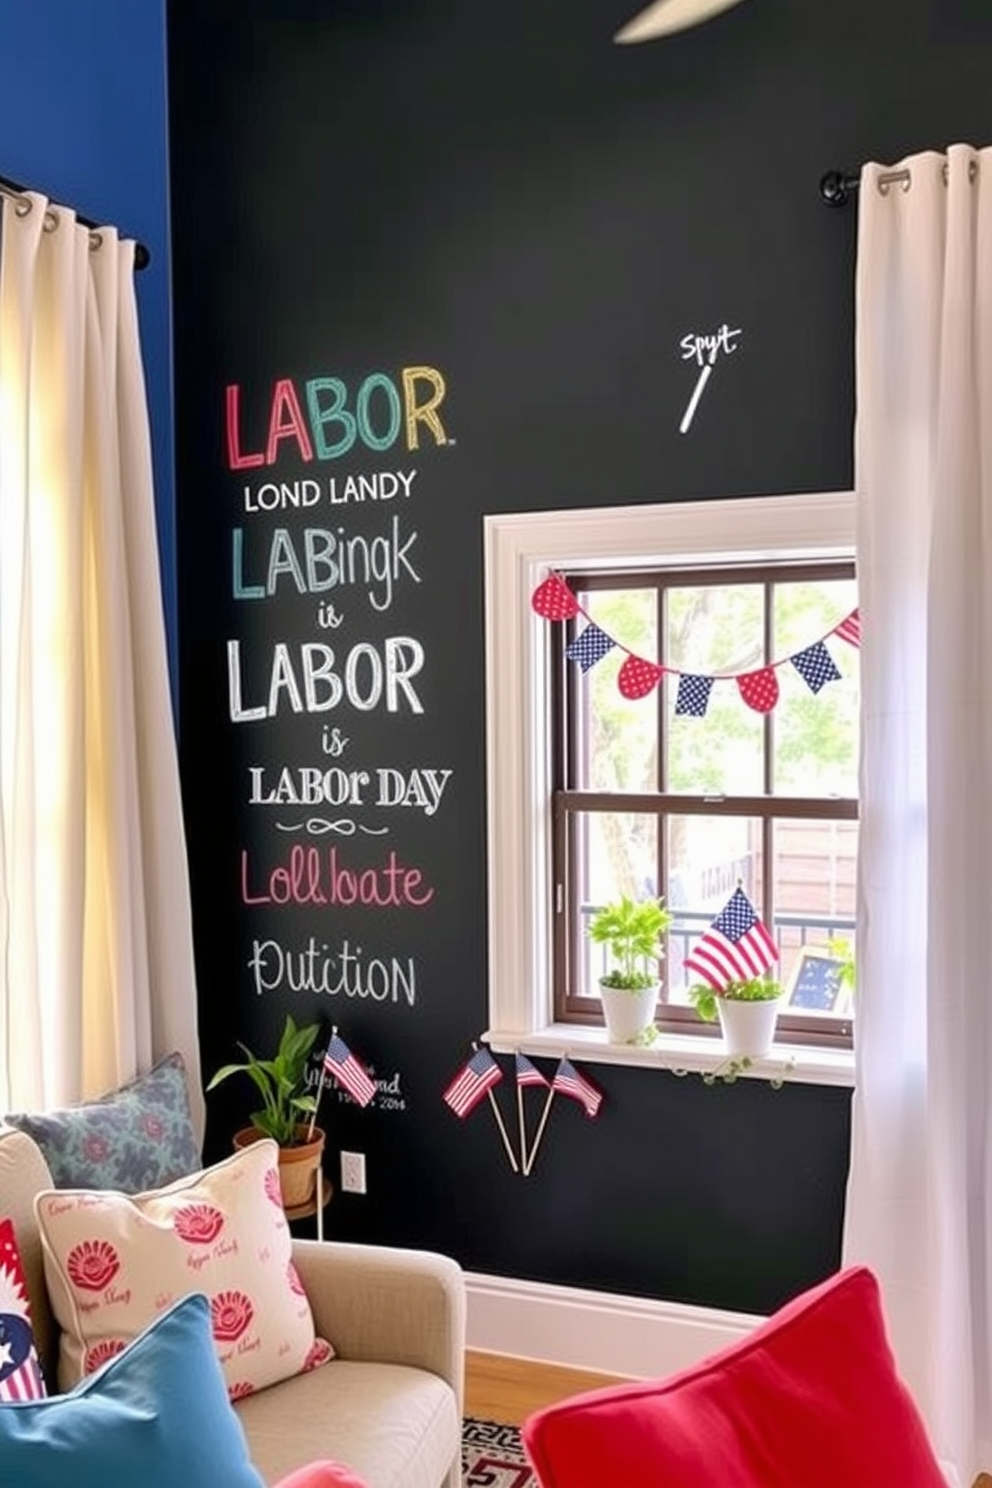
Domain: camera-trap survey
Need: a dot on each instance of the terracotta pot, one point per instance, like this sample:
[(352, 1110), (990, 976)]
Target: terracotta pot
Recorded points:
[(298, 1165)]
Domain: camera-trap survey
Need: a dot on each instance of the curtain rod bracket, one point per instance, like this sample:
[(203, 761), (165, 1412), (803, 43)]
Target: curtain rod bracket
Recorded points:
[(837, 188)]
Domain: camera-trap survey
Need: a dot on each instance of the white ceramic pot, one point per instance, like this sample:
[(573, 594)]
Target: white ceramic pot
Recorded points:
[(748, 1027), (628, 1014)]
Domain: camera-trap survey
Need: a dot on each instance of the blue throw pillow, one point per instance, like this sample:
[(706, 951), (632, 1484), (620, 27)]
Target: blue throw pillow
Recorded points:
[(156, 1415), (136, 1138)]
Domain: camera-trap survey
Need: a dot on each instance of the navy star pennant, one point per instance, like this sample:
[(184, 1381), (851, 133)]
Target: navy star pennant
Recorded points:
[(589, 647), (816, 666), (693, 695)]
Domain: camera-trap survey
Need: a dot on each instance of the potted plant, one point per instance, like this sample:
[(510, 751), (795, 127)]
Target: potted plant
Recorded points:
[(747, 1011), (631, 930), (282, 1084), (847, 971)]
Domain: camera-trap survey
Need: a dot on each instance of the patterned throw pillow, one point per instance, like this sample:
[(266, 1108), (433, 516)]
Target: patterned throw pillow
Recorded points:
[(135, 1138), (20, 1372), (114, 1262)]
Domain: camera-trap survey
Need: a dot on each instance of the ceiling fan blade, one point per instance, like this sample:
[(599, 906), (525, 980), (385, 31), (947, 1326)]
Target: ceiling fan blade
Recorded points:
[(665, 17)]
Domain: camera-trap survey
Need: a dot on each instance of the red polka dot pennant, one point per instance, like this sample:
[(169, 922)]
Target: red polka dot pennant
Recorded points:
[(638, 677), (759, 689), (554, 600)]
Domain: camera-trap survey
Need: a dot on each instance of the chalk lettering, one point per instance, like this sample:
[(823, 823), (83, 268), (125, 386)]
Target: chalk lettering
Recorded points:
[(346, 973), (382, 486), (329, 559), (702, 349), (272, 497), (311, 877), (380, 412), (420, 788), (333, 742), (368, 679), (309, 787)]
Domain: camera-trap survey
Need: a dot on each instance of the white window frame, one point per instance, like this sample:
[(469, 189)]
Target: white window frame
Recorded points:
[(519, 551)]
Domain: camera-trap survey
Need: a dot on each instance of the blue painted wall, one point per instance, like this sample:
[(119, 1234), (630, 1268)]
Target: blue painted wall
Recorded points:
[(83, 119)]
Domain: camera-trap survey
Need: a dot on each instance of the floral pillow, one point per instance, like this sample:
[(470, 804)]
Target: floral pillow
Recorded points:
[(20, 1372), (114, 1262), (138, 1137)]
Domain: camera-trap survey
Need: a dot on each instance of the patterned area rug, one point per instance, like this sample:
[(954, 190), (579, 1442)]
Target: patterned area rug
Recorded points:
[(493, 1457)]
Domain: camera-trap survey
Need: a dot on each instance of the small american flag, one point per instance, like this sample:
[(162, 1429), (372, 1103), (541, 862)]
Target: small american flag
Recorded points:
[(472, 1081), (568, 1081), (849, 629), (736, 947), (528, 1073), (340, 1063)]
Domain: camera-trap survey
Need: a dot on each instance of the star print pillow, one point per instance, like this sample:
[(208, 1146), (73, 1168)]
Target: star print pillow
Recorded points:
[(20, 1372)]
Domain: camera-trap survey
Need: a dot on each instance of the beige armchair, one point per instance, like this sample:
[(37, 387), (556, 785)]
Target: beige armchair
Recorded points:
[(389, 1404)]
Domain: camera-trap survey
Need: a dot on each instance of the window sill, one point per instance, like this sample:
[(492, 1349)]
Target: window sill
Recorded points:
[(804, 1064)]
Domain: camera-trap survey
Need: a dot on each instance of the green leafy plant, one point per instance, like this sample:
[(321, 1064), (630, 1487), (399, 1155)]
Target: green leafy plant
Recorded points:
[(843, 950), (631, 930), (281, 1082), (705, 998)]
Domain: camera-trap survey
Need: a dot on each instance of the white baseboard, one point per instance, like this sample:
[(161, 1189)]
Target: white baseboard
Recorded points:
[(594, 1330)]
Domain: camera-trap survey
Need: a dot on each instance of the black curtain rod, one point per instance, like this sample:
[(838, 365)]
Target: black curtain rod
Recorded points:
[(837, 187), (142, 255)]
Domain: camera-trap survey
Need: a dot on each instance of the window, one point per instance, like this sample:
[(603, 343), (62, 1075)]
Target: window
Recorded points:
[(647, 800), (609, 554)]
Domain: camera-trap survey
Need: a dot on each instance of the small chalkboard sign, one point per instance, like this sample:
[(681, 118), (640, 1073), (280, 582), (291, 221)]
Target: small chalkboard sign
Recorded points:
[(817, 983)]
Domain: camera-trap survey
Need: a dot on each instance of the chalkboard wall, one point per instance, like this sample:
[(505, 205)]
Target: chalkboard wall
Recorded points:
[(435, 259)]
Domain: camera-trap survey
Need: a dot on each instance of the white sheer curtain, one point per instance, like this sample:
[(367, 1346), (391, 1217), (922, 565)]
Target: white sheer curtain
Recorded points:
[(920, 1193), (96, 966)]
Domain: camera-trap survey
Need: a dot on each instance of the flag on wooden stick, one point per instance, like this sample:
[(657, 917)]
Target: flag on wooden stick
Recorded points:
[(527, 1074), (340, 1063), (565, 1081), (474, 1080), (568, 1081)]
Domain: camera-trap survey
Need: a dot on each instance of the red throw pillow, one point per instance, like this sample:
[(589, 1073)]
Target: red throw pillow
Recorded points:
[(322, 1475), (20, 1372), (811, 1397)]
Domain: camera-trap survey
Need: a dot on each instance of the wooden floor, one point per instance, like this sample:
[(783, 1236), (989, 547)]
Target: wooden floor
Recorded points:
[(499, 1388)]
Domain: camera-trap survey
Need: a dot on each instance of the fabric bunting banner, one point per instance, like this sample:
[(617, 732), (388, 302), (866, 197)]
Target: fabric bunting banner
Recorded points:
[(816, 666), (694, 695), (589, 647), (849, 629), (638, 676)]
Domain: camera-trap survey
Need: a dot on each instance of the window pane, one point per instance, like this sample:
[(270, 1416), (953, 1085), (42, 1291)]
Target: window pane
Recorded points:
[(616, 853), (815, 888), (815, 750), (617, 743), (708, 856), (715, 629)]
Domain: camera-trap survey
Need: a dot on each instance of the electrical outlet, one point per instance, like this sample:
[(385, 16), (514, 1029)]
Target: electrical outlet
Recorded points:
[(353, 1172)]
